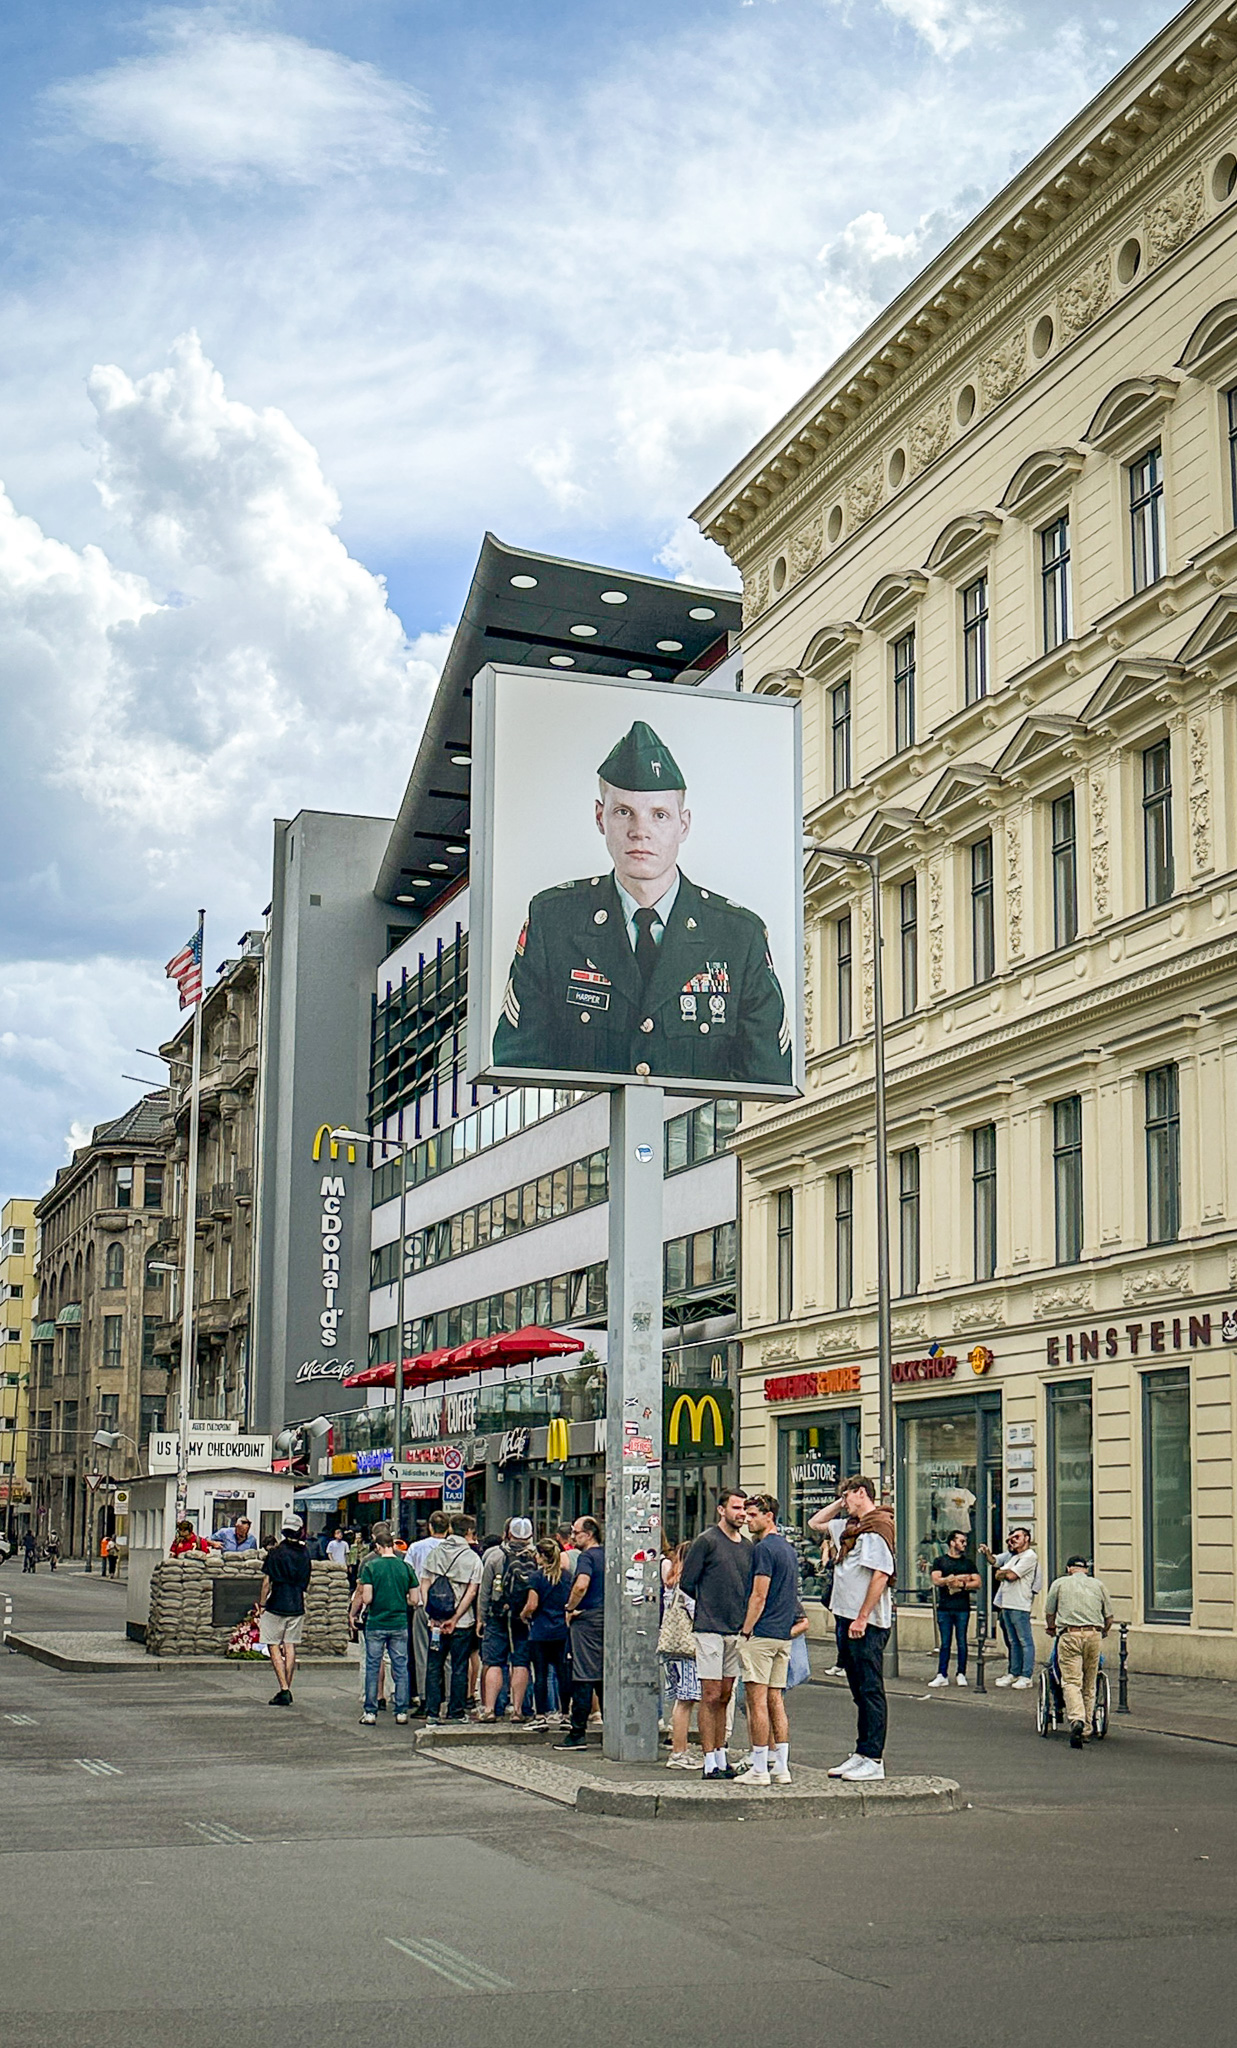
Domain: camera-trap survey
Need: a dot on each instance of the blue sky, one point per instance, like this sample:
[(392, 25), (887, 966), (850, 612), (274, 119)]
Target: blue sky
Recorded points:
[(295, 301)]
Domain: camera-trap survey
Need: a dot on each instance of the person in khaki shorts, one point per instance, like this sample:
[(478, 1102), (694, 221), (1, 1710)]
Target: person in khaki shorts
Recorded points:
[(1078, 1612), (764, 1643)]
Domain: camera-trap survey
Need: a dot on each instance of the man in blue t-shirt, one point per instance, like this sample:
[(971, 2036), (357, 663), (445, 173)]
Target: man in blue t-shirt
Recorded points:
[(764, 1643)]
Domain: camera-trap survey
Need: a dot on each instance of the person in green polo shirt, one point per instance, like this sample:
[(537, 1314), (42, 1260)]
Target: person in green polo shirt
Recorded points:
[(386, 1589), (641, 971)]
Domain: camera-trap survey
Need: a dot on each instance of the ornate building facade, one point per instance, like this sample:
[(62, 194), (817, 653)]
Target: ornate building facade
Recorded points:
[(17, 1244), (994, 552)]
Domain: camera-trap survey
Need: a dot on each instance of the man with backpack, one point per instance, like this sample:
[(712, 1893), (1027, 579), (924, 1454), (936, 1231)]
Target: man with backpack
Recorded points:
[(449, 1581), (506, 1576)]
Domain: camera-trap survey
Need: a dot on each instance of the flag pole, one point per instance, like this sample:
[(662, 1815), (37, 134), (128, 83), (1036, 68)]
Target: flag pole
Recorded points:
[(190, 1219)]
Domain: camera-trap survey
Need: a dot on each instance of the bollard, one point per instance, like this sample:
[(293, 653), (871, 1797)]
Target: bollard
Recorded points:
[(1123, 1670), (981, 1634)]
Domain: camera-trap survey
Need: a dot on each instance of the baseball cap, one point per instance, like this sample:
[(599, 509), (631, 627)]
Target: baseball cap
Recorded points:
[(291, 1525), (521, 1528)]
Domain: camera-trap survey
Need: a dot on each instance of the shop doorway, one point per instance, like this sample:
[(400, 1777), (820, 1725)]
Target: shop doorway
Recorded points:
[(814, 1454), (950, 1476)]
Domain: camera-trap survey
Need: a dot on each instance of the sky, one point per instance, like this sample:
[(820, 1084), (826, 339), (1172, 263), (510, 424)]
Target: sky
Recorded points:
[(297, 300)]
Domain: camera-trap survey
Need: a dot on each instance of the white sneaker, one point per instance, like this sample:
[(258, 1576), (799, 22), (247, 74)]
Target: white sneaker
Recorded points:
[(1020, 1684), (1007, 1680), (940, 1679), (840, 1770), (962, 1678), (864, 1771), (685, 1762), (369, 1720), (780, 1777), (835, 1671), (755, 1777)]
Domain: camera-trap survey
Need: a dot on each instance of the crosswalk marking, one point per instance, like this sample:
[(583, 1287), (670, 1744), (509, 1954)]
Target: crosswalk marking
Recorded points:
[(446, 1962), (97, 1767), (22, 1720), (220, 1833)]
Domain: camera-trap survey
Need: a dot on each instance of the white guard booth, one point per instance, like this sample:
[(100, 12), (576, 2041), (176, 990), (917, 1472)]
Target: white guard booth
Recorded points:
[(229, 1476)]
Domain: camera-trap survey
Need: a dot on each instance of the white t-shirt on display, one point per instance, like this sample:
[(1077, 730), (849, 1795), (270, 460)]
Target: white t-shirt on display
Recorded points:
[(1016, 1595), (852, 1579)]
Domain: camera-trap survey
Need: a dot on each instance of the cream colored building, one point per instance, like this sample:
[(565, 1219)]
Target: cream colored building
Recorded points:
[(17, 1247), (994, 552)]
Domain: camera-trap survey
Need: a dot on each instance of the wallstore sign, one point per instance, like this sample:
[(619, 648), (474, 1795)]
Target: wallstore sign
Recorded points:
[(805, 1386), (1137, 1340)]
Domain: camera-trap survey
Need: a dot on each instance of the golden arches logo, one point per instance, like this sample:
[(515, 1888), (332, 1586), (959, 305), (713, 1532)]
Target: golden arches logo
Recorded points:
[(322, 1136), (697, 1408), (557, 1442)]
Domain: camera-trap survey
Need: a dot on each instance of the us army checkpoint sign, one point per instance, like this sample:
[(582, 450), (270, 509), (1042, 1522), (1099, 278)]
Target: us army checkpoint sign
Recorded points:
[(636, 904)]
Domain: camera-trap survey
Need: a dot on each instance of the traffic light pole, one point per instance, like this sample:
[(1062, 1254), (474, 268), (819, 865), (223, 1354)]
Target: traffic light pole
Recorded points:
[(634, 1425)]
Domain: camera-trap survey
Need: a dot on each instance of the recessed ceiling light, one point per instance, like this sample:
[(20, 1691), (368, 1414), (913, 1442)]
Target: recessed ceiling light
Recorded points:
[(562, 661), (457, 849), (702, 611), (523, 582), (640, 675), (439, 867), (461, 760), (405, 899), (585, 632), (614, 597), (670, 646), (421, 882)]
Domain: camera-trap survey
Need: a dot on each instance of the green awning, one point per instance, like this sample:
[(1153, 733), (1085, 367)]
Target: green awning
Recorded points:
[(70, 1313), (43, 1333)]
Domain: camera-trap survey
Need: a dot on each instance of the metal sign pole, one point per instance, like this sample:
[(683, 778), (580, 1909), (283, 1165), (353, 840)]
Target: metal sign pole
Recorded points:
[(634, 1424), (189, 1227)]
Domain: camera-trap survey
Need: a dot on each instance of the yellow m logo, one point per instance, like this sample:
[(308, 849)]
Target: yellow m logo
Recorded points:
[(322, 1136), (557, 1442), (698, 1406)]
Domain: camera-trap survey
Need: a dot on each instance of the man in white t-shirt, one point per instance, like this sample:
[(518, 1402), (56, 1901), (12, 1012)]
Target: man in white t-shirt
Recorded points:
[(1016, 1573), (864, 1535), (337, 1549)]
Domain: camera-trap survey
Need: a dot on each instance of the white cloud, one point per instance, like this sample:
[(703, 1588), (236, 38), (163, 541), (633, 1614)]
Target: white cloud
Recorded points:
[(151, 742), (224, 103)]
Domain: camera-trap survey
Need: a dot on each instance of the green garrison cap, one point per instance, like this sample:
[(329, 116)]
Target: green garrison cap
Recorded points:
[(641, 761)]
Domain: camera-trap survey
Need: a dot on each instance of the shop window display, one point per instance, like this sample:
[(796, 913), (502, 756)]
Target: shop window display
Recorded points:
[(942, 1482), (1167, 1504), (815, 1457)]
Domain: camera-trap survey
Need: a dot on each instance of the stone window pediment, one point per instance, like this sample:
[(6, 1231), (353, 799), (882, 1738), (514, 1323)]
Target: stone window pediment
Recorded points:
[(1039, 749), (893, 598), (889, 832), (962, 545), (1131, 415), (963, 795), (1215, 635), (1134, 690), (780, 682), (830, 648), (1040, 481), (1211, 352)]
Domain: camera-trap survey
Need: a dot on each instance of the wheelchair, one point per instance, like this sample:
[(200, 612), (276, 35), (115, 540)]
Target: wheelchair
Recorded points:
[(1050, 1701)]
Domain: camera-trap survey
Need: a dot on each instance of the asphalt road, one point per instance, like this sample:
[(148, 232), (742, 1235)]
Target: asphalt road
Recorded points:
[(183, 1862)]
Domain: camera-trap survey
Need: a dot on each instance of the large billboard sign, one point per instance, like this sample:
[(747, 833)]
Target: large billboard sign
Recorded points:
[(637, 908)]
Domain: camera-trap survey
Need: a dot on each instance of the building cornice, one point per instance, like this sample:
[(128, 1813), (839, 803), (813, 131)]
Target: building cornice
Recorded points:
[(1114, 146)]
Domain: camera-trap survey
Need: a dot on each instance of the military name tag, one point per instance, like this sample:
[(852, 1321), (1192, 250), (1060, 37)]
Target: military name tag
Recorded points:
[(589, 998)]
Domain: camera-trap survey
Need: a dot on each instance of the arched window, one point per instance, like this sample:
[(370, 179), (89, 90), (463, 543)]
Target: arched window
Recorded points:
[(114, 1266)]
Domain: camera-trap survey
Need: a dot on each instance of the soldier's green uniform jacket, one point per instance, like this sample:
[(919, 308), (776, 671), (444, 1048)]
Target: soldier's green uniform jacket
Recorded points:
[(712, 1009)]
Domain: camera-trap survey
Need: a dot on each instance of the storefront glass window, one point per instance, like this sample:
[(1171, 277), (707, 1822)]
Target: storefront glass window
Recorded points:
[(815, 1456), (1168, 1584), (1069, 1472), (942, 1467)]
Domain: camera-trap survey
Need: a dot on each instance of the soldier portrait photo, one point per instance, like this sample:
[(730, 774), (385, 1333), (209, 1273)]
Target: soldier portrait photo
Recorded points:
[(636, 969)]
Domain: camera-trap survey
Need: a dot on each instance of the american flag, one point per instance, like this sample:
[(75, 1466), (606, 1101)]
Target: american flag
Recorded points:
[(185, 969)]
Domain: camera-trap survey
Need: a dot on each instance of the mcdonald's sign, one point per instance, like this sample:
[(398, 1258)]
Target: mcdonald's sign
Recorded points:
[(322, 1136), (700, 1423), (557, 1441)]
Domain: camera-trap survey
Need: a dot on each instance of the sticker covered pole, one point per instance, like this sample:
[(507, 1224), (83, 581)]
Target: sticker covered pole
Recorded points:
[(634, 1425)]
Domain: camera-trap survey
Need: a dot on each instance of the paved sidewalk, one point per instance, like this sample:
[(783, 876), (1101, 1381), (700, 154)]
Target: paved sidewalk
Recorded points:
[(1204, 1709)]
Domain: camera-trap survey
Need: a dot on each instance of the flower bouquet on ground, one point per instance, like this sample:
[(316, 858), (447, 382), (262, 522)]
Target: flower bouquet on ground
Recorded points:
[(244, 1639)]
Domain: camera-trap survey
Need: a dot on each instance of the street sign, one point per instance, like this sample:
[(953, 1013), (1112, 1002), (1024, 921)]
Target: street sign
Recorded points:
[(423, 1475), (453, 1489), (453, 1458)]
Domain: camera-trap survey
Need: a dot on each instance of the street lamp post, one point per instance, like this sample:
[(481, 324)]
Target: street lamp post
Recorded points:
[(884, 1320), (340, 1136), (107, 1440)]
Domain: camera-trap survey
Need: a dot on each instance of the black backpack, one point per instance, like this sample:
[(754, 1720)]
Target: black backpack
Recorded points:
[(441, 1600), (509, 1591)]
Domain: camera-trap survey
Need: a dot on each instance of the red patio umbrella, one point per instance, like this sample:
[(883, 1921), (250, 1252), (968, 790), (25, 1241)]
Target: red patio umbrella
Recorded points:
[(516, 1347)]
